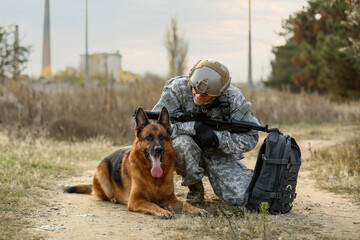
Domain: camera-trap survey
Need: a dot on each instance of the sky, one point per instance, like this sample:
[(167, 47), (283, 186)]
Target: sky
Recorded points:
[(214, 30)]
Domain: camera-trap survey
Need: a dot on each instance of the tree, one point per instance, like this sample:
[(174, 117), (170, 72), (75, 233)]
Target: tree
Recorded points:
[(352, 51), (71, 75), (282, 68), (353, 22), (13, 56), (327, 35), (177, 48)]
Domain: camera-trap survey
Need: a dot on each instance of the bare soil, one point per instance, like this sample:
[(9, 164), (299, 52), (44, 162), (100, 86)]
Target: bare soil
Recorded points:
[(75, 216)]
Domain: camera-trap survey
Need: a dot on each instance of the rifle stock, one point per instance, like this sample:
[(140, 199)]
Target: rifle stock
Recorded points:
[(230, 125)]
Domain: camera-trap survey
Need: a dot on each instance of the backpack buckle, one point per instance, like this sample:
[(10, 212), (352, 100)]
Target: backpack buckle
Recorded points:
[(275, 195)]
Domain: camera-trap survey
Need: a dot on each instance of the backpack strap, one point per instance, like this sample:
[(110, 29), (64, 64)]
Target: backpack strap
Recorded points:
[(275, 195), (275, 139), (256, 173), (274, 161), (273, 136)]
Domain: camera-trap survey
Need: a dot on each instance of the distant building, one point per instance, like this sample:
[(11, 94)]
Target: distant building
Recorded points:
[(99, 62)]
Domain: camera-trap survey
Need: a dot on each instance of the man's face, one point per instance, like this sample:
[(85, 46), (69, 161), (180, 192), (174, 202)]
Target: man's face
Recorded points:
[(200, 99)]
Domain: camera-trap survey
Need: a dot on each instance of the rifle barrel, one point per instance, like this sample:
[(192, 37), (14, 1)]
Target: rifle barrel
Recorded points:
[(218, 124)]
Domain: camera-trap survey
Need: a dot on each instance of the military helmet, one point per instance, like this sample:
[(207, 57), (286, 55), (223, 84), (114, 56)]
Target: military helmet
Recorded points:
[(209, 77)]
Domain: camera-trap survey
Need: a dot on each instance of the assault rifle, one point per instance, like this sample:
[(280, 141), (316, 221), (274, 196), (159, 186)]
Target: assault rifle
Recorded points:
[(216, 124)]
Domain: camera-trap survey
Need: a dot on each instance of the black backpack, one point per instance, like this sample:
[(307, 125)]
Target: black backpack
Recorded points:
[(275, 174)]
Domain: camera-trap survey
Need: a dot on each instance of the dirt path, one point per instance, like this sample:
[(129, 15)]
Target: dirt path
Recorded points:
[(73, 216), (337, 216)]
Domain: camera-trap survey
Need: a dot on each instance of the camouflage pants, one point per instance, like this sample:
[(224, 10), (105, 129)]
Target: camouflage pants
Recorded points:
[(228, 177)]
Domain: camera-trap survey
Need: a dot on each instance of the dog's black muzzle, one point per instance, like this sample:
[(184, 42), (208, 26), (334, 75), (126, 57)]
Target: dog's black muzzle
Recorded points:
[(157, 150)]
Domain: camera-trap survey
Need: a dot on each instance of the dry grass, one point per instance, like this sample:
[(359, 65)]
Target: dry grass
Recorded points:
[(30, 161), (74, 113), (274, 107), (338, 168), (238, 223), (29, 168)]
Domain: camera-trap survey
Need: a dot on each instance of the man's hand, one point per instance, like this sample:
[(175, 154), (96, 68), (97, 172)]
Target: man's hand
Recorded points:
[(205, 136)]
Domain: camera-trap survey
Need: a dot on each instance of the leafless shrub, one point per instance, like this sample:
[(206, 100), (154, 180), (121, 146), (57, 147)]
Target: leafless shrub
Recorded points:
[(282, 107), (78, 113), (73, 112)]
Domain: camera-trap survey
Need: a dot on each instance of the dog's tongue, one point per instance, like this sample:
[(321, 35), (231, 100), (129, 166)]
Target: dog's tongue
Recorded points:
[(156, 170)]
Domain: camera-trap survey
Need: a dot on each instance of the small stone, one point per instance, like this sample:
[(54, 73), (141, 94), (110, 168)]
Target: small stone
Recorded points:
[(62, 214), (50, 228), (86, 215), (314, 204)]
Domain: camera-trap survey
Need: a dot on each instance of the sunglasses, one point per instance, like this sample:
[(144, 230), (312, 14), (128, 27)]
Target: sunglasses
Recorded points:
[(202, 94)]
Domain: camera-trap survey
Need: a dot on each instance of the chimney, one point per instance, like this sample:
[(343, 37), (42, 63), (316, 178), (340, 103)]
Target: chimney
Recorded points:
[(46, 63)]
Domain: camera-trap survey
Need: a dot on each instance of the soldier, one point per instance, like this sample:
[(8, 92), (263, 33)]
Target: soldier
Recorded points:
[(199, 150)]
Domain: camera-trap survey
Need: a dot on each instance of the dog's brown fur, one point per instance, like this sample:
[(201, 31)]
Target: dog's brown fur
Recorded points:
[(132, 177)]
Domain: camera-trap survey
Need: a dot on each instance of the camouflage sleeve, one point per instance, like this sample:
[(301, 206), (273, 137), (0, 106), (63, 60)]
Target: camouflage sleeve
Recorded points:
[(170, 100), (231, 143), (182, 128)]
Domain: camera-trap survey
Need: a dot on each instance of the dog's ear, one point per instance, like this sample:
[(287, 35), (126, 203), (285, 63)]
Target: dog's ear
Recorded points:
[(141, 120), (164, 119)]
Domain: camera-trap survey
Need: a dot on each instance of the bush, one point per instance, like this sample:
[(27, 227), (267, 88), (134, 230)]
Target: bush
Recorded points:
[(75, 113)]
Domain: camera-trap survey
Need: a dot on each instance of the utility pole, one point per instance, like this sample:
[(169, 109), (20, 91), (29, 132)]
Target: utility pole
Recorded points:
[(46, 62), (250, 81), (16, 54), (86, 49)]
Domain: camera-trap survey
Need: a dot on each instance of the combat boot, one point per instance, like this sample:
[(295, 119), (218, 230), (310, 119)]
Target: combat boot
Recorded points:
[(196, 193)]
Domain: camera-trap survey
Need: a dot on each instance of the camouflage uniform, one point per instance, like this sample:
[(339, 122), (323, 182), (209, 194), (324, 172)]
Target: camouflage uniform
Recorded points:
[(229, 178)]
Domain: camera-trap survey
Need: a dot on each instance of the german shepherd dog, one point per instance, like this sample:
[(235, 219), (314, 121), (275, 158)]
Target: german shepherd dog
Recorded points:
[(141, 176)]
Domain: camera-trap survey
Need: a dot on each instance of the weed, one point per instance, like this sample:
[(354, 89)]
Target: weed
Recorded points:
[(338, 168), (233, 211), (264, 209), (28, 168), (30, 162), (75, 113)]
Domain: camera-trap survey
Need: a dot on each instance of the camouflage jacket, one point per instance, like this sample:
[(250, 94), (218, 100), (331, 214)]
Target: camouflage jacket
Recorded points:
[(177, 97)]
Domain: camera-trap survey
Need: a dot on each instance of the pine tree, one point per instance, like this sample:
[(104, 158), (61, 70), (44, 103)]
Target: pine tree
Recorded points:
[(282, 68), (326, 34)]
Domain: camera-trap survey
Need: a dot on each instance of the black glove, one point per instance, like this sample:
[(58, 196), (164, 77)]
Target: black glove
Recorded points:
[(205, 136)]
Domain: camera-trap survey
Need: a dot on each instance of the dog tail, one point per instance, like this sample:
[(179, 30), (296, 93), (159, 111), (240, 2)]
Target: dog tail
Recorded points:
[(82, 188)]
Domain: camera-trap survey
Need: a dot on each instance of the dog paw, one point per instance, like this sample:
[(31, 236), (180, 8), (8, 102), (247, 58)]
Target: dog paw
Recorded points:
[(201, 212), (165, 214), (113, 200)]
